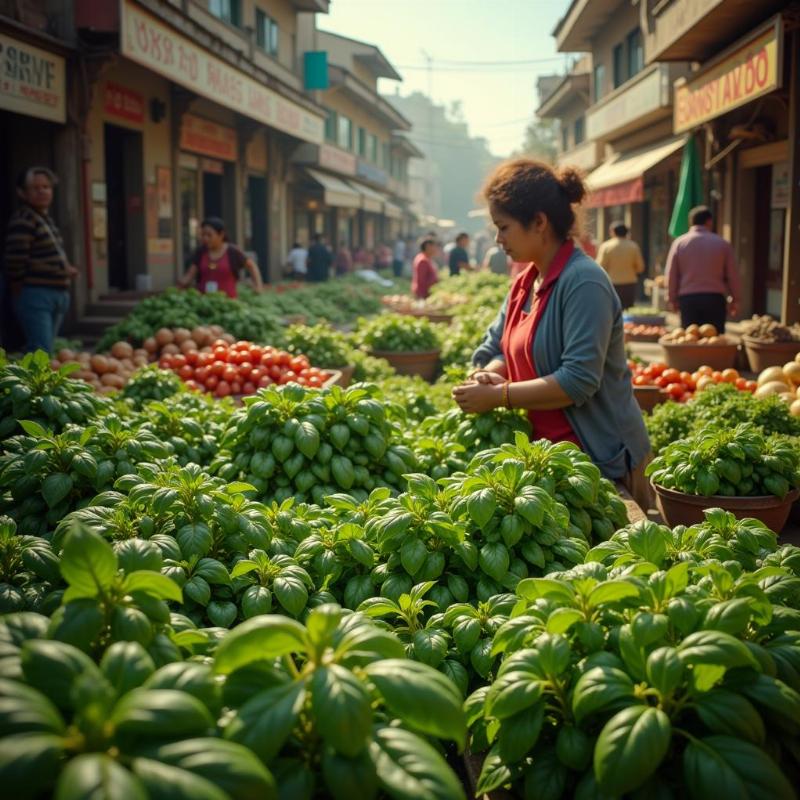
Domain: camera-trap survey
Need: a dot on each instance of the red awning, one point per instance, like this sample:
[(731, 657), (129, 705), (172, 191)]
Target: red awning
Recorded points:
[(617, 195)]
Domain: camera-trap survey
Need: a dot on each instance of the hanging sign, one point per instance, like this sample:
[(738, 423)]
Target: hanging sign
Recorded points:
[(32, 80)]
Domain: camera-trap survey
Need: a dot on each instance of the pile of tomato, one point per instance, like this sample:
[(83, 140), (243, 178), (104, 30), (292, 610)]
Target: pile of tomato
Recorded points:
[(241, 368), (681, 386)]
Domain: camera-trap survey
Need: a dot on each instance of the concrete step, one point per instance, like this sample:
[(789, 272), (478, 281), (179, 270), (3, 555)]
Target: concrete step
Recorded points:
[(95, 325), (110, 308)]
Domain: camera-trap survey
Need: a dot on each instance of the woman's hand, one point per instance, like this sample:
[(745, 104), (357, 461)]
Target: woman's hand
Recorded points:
[(486, 377), (476, 398)]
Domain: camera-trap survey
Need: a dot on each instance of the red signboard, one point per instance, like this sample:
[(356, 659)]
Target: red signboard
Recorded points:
[(119, 101)]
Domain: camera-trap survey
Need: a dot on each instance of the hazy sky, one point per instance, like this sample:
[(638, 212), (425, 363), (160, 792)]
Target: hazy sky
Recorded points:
[(497, 101)]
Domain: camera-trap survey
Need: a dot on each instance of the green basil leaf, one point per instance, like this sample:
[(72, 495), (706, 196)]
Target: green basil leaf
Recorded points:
[(258, 639), (88, 563), (630, 748), (519, 733), (291, 593), (729, 713), (165, 782), (420, 696), (715, 648), (494, 560), (126, 665), (611, 592), (408, 768), (97, 776), (55, 487), (341, 707), (53, 667), (600, 688), (412, 555), (154, 584), (346, 778), (29, 764), (161, 714), (664, 669), (24, 709)]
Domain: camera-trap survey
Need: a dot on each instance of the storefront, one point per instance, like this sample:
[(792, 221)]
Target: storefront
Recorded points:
[(739, 99)]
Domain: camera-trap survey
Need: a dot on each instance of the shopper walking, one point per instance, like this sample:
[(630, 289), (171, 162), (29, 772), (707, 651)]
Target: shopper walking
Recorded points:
[(556, 347), (297, 262), (217, 264), (423, 271), (399, 257), (319, 260), (343, 264), (37, 270), (458, 258), (622, 259), (702, 279)]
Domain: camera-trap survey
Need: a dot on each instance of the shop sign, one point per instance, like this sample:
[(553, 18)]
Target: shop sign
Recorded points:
[(119, 101), (154, 45), (371, 173), (32, 80), (207, 138), (751, 70), (337, 160)]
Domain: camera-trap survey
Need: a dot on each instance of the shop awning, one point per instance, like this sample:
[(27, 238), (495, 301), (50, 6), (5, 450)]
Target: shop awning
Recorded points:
[(337, 192), (392, 211), (370, 199), (620, 180)]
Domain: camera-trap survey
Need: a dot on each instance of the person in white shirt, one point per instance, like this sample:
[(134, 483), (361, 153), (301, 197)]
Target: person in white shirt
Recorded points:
[(399, 257), (297, 261)]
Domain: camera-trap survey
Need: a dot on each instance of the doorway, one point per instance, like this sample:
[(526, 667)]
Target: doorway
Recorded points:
[(125, 207), (255, 223), (769, 235)]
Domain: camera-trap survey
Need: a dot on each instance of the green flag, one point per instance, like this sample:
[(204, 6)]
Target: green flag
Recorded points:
[(690, 190)]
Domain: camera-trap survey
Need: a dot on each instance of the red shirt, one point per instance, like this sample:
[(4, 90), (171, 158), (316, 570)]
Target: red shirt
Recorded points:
[(216, 275), (423, 276), (518, 336)]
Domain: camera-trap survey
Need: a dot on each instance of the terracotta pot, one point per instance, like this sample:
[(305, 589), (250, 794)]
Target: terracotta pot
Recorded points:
[(761, 355), (688, 357), (678, 508), (648, 397), (423, 364)]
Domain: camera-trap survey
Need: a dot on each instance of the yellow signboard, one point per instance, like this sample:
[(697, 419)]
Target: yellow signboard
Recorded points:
[(31, 80), (750, 71), (153, 44)]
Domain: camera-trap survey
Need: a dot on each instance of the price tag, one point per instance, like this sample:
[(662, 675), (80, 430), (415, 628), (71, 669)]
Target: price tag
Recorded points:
[(212, 286)]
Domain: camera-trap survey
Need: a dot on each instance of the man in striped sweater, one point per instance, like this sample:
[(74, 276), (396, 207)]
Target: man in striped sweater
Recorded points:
[(37, 270)]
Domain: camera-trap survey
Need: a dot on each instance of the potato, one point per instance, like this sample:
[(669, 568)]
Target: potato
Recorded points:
[(794, 408), (65, 354), (150, 345), (170, 350), (181, 335), (121, 350), (111, 379), (771, 374), (772, 387), (164, 336), (792, 372), (100, 364), (708, 330), (187, 345)]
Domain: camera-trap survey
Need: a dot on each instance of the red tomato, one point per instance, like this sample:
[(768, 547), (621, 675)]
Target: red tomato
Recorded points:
[(220, 343), (315, 381), (303, 381), (165, 362), (205, 359), (675, 390), (178, 360), (642, 380), (275, 372), (236, 387), (230, 373), (269, 359), (201, 373), (658, 368), (186, 372), (218, 367), (220, 353), (256, 373), (684, 398), (287, 377), (211, 383), (672, 375), (299, 363), (192, 357), (284, 358), (751, 386), (245, 369), (242, 345), (741, 384), (248, 388), (193, 385), (264, 381), (661, 382), (223, 389), (256, 353)]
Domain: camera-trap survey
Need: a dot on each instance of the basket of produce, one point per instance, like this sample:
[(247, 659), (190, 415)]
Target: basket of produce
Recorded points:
[(644, 315), (648, 397), (638, 332), (782, 381), (768, 343), (697, 345), (325, 346), (409, 344), (738, 469)]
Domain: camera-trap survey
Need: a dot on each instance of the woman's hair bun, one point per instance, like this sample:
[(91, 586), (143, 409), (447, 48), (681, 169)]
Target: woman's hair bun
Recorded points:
[(571, 181)]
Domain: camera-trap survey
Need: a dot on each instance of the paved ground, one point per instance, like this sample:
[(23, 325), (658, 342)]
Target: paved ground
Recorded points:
[(654, 352)]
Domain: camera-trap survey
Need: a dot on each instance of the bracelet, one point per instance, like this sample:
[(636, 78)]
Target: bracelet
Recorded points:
[(506, 398)]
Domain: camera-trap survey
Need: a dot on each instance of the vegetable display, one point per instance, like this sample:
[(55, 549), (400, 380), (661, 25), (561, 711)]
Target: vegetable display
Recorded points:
[(395, 333)]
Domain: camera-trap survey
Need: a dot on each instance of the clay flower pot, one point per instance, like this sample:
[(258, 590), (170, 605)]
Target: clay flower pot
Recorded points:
[(761, 355), (688, 357), (678, 508), (423, 363)]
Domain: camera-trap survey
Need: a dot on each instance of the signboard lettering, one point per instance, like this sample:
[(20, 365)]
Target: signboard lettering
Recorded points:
[(119, 101), (153, 44), (207, 138), (752, 70), (32, 80)]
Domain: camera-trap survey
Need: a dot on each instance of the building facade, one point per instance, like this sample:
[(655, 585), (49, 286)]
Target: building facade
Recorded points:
[(617, 123), (741, 103), (353, 187)]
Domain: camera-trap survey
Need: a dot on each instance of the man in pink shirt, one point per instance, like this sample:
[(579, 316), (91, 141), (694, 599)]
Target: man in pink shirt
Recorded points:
[(702, 277), (423, 273)]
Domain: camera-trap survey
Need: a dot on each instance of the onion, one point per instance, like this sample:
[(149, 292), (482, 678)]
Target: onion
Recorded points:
[(794, 408), (771, 374), (772, 387)]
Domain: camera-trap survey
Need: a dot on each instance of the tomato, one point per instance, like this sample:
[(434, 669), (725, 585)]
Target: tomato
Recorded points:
[(269, 360), (242, 345), (193, 385), (315, 381), (689, 380), (236, 387), (287, 377), (220, 343), (275, 372), (256, 373), (299, 363), (642, 380), (684, 398), (165, 362), (220, 353), (658, 368), (205, 359), (741, 384), (245, 369), (717, 376), (186, 372), (661, 382), (730, 376), (264, 381), (248, 388), (211, 383), (672, 375), (256, 353), (230, 373), (284, 358), (191, 357), (705, 370), (751, 386), (201, 373), (675, 390), (302, 380), (223, 389), (218, 367)]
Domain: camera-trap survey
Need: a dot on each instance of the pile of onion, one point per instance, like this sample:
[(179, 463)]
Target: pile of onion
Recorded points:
[(783, 381)]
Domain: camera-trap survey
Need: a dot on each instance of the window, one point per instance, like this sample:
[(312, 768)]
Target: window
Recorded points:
[(227, 10), (635, 52), (619, 65), (345, 138), (362, 142), (598, 83), (564, 137), (266, 33), (579, 130), (372, 151), (385, 149), (330, 126)]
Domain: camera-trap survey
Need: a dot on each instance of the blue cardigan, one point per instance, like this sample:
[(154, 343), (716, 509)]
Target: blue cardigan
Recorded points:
[(580, 342)]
